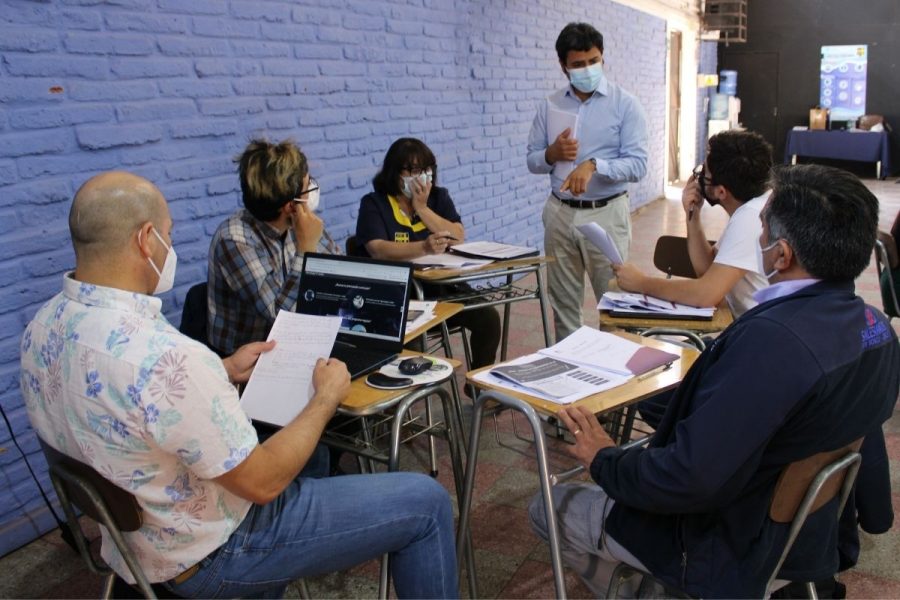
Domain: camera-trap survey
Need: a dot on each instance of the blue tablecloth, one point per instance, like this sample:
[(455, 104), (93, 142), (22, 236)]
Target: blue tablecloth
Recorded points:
[(865, 146)]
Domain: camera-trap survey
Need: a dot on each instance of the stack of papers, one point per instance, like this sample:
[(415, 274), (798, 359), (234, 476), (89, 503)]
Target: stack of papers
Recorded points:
[(419, 313), (585, 363), (493, 250), (448, 261), (625, 304)]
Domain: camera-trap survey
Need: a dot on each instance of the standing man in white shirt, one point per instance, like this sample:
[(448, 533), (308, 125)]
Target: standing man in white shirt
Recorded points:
[(589, 166), (735, 177)]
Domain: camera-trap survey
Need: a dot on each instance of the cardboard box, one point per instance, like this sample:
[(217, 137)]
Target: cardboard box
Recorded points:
[(818, 118)]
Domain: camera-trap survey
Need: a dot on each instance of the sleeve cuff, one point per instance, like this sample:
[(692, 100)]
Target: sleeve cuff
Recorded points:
[(602, 167)]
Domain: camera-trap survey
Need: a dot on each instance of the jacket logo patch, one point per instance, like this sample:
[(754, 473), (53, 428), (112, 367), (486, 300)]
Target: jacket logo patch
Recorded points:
[(875, 333), (402, 237)]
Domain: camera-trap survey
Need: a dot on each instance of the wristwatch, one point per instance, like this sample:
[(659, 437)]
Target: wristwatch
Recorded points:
[(594, 162)]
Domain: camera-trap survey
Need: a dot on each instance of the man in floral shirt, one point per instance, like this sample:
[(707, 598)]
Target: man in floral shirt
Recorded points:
[(108, 381)]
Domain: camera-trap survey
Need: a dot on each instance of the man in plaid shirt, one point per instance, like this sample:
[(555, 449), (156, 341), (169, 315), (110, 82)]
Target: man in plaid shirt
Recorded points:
[(256, 255)]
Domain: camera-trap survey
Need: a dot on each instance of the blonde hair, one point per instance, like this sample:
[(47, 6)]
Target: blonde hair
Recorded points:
[(271, 176)]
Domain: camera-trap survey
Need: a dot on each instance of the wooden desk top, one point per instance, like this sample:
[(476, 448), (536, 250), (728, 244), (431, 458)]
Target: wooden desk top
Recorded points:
[(722, 318), (442, 312), (364, 399), (634, 390), (486, 270)]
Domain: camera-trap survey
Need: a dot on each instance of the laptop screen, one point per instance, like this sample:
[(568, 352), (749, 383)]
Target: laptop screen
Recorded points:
[(371, 297)]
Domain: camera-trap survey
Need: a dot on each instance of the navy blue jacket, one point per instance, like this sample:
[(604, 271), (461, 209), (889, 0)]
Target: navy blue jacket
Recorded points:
[(801, 374)]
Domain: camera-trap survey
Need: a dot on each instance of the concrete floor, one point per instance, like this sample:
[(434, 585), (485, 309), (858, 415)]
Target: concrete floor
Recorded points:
[(511, 561)]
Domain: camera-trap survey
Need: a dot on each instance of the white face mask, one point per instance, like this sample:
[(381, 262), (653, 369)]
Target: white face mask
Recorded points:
[(167, 275), (586, 79), (312, 196), (759, 260), (406, 189)]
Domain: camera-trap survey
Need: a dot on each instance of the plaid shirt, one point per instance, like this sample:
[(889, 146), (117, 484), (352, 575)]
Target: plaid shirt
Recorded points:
[(253, 273)]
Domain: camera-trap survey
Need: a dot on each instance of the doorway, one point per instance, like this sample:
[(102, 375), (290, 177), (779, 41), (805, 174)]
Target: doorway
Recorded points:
[(674, 56), (757, 88)]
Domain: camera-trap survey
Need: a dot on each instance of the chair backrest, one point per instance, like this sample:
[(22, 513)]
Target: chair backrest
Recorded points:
[(672, 258), (886, 280), (352, 246), (78, 477), (806, 485), (194, 314)]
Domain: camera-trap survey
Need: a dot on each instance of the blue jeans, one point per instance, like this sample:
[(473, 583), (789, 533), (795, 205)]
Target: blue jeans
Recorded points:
[(318, 526)]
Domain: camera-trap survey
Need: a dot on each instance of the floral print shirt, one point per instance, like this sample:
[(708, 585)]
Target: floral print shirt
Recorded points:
[(108, 381)]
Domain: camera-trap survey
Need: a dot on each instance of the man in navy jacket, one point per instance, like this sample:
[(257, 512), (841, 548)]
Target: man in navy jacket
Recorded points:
[(811, 368)]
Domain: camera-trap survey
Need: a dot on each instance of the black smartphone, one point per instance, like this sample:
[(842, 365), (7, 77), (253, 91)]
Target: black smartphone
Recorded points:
[(386, 382)]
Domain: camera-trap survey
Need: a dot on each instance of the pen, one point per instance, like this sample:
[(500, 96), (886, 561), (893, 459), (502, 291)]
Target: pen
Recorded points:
[(450, 237)]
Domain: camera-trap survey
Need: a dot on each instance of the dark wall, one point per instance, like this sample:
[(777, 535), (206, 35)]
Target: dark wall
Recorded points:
[(795, 31)]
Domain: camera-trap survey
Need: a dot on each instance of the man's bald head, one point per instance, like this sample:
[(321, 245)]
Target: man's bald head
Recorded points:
[(108, 209)]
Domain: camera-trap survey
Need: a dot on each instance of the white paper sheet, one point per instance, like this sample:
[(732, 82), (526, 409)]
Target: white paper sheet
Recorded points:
[(557, 122), (281, 383), (425, 308), (600, 238), (449, 261), (493, 250), (595, 349)]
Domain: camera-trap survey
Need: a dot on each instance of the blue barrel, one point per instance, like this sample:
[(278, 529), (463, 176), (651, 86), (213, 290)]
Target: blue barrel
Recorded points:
[(728, 83)]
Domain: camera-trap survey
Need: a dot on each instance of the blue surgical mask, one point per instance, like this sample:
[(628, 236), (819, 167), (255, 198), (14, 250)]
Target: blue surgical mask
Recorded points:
[(586, 79), (759, 260)]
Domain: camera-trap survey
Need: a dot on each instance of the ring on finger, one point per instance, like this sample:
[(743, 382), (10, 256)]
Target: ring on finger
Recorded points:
[(576, 432)]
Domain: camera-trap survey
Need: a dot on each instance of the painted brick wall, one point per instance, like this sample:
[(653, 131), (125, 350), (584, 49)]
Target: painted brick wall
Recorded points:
[(173, 89)]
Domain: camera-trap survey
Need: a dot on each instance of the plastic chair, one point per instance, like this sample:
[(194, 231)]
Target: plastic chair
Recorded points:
[(194, 314), (79, 486), (803, 487), (672, 258), (883, 267)]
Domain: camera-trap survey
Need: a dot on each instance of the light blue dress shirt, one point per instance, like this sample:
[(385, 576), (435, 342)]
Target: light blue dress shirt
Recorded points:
[(612, 129)]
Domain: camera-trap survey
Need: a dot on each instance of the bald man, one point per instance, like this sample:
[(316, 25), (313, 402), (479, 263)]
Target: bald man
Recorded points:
[(108, 381)]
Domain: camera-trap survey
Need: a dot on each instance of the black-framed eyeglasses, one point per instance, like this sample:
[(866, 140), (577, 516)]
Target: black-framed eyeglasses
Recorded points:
[(313, 187), (699, 174), (416, 171)]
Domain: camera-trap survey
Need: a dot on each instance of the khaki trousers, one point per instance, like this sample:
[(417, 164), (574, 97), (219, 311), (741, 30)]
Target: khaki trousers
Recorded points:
[(575, 255)]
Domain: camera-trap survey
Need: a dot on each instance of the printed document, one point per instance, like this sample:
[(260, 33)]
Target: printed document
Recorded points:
[(606, 352), (550, 379), (494, 250), (448, 261), (557, 122), (600, 238), (627, 302), (281, 384)]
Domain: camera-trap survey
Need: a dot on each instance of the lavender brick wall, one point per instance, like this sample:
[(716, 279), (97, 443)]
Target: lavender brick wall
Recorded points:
[(173, 89)]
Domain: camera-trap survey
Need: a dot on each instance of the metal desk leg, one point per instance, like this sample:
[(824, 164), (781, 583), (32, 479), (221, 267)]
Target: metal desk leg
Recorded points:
[(452, 425), (457, 399), (542, 298), (504, 340), (793, 159), (544, 475), (878, 170)]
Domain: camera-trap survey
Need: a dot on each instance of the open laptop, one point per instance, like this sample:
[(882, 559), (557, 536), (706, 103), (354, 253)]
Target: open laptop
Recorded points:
[(371, 297)]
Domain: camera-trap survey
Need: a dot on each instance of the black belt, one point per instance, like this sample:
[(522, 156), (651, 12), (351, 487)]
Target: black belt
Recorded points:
[(588, 203)]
